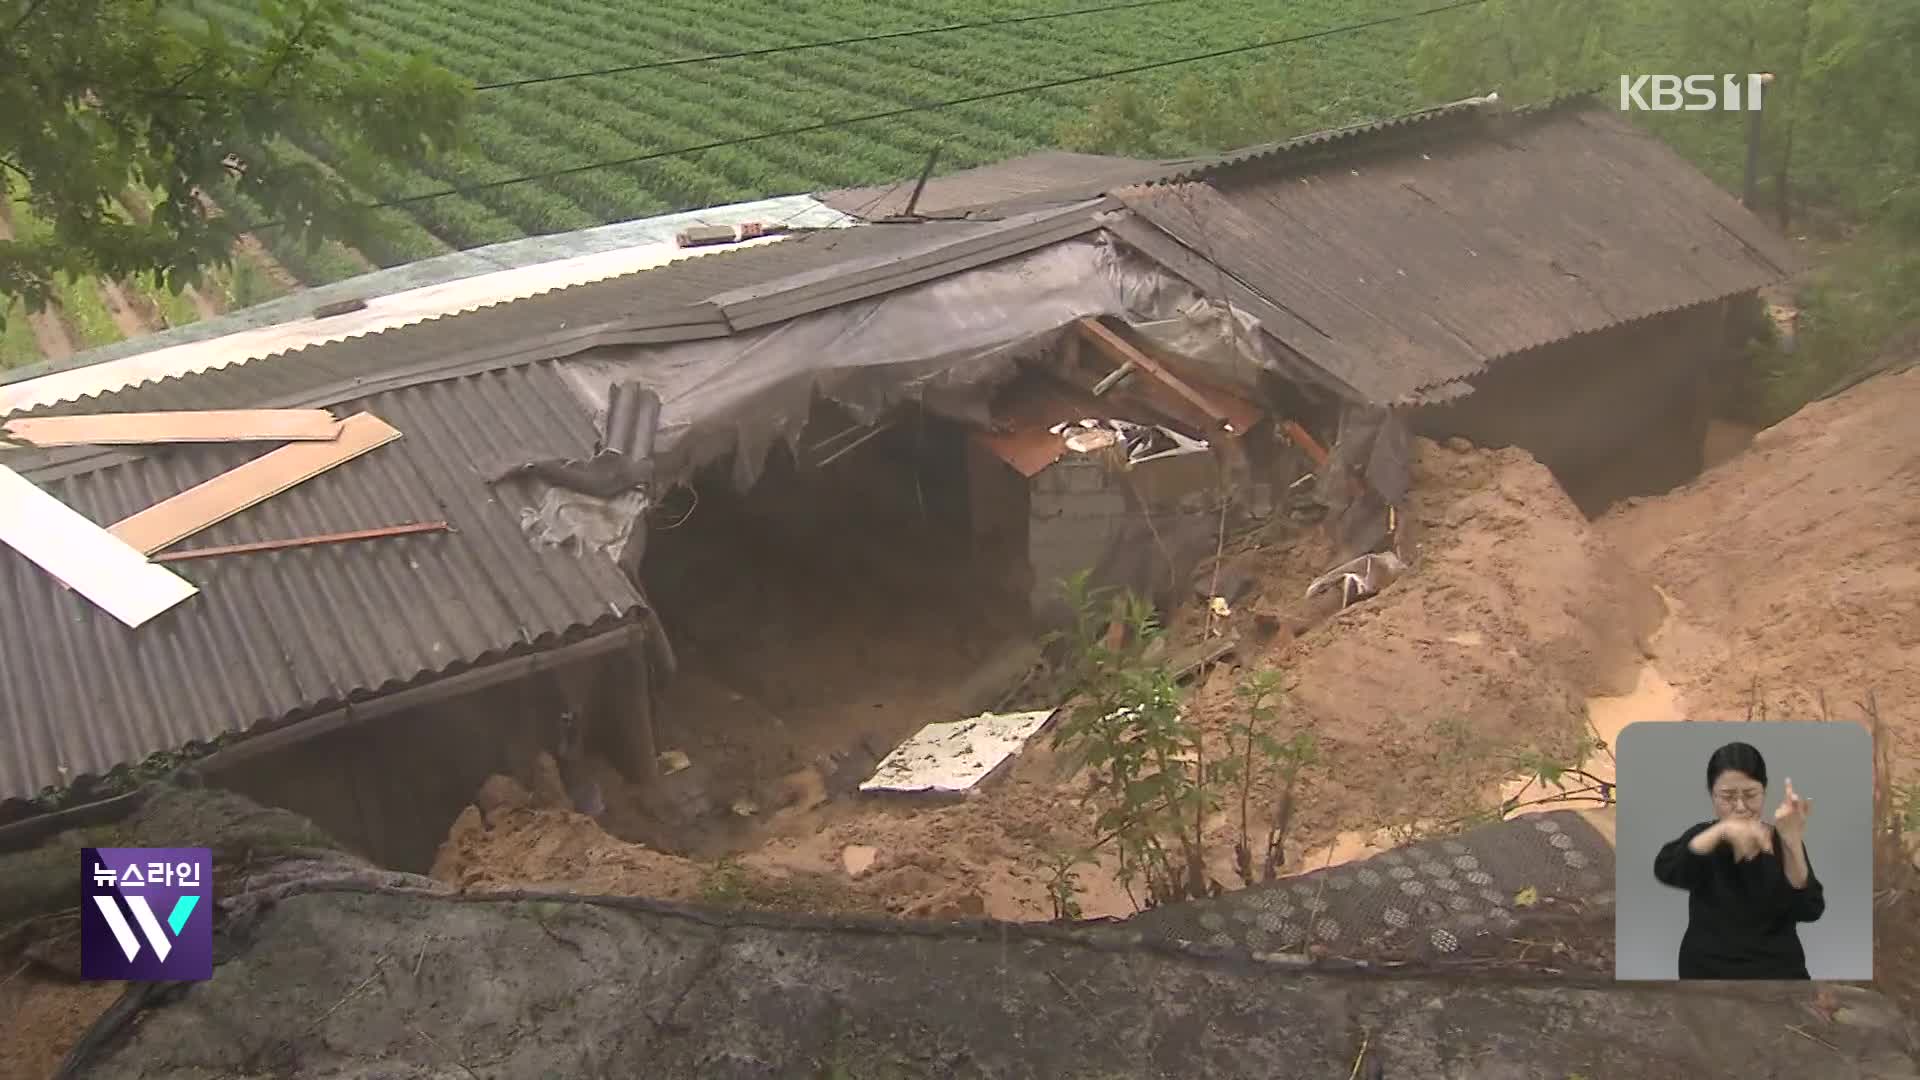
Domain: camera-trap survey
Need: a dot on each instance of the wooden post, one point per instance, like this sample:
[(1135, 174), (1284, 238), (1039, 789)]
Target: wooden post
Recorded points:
[(634, 704)]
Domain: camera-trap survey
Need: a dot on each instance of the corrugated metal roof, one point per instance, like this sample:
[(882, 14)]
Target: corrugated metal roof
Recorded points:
[(707, 297), (274, 637), (1404, 272), (552, 261), (1061, 176), (1050, 175), (1436, 121)]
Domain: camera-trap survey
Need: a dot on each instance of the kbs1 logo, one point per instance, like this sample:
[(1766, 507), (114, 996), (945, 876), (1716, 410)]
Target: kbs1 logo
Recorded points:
[(147, 915), (1692, 93)]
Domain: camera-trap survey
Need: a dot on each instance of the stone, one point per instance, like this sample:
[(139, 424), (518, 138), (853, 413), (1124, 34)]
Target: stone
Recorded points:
[(498, 796), (549, 791), (447, 860), (857, 859)]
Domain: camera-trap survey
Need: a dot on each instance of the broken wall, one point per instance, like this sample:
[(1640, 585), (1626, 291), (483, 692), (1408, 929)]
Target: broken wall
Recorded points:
[(389, 788), (1142, 530), (1614, 414)]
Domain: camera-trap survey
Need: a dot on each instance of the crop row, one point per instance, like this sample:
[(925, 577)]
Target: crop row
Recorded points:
[(533, 129)]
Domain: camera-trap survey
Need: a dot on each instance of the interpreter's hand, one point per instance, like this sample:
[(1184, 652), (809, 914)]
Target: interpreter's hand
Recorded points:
[(1748, 837), (1791, 818)]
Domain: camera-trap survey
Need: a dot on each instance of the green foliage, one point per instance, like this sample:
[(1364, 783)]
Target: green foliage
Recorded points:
[(18, 345), (1528, 50), (1253, 752), (1266, 98), (1905, 805), (98, 97), (1155, 784), (724, 884), (1129, 728), (1063, 883), (1840, 131)]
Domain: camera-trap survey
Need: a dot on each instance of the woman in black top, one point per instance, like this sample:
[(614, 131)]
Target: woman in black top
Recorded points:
[(1749, 884)]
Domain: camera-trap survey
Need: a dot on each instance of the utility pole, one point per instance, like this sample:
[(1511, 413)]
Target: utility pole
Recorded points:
[(1749, 188)]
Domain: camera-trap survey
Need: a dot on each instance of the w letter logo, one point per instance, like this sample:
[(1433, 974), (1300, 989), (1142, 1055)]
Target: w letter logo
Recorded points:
[(146, 914), (150, 926)]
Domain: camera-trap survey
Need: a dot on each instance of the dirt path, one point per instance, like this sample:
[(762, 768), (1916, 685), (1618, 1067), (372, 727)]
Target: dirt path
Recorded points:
[(49, 329), (248, 246), (206, 308), (127, 316)]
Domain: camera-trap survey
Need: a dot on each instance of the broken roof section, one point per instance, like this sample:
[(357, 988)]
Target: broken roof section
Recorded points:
[(276, 638), (399, 296), (1050, 176), (1432, 279)]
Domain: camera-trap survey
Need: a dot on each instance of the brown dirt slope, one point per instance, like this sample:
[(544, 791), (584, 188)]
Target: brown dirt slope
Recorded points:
[(1792, 571), (1512, 615)]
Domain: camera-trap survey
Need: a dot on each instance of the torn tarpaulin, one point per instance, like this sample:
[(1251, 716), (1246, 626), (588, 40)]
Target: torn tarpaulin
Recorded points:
[(622, 462), (1359, 578), (1368, 473), (593, 522), (596, 503)]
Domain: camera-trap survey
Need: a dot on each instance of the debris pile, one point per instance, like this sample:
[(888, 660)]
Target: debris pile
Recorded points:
[(115, 567)]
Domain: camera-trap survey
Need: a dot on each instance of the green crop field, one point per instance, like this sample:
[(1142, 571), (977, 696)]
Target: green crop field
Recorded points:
[(528, 129)]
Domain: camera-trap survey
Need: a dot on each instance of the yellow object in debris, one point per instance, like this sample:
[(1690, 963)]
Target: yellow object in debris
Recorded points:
[(1526, 897), (1218, 605)]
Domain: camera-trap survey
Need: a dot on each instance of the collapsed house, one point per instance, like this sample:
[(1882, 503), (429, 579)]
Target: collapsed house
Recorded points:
[(871, 453)]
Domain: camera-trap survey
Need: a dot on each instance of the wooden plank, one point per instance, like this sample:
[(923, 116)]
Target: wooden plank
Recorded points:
[(83, 556), (1306, 442), (1124, 353), (214, 425), (172, 520)]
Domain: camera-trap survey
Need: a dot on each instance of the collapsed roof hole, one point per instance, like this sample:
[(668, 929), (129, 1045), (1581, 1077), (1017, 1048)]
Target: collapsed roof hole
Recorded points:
[(826, 614)]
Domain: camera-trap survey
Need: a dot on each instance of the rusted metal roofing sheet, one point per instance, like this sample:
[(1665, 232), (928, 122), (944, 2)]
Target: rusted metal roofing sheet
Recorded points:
[(1051, 175), (1404, 273), (275, 637)]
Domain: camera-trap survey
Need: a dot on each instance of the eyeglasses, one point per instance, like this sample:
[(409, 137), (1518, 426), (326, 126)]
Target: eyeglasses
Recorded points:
[(1750, 795)]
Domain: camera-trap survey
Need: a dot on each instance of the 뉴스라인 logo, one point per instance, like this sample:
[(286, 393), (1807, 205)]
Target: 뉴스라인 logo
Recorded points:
[(147, 915)]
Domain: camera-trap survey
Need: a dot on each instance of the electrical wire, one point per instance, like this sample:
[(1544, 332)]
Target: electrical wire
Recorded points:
[(773, 50), (905, 110)]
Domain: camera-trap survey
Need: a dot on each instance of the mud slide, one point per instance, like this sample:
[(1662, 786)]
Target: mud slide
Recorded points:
[(1790, 571)]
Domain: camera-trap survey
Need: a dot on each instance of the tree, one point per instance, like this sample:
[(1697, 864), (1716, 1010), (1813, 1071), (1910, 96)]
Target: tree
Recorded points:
[(100, 98), (1527, 50), (1209, 112)]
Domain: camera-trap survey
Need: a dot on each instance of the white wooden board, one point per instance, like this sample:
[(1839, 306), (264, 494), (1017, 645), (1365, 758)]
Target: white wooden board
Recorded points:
[(954, 756), (89, 559)]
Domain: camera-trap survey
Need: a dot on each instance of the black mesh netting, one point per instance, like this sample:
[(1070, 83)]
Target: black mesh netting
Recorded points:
[(1433, 898)]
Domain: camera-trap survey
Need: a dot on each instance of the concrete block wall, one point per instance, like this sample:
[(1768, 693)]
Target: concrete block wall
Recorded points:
[(1077, 509)]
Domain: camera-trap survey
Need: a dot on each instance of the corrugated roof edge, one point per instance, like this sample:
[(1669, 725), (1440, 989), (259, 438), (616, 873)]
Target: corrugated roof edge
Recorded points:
[(1342, 139), (434, 270), (544, 643), (1445, 390)]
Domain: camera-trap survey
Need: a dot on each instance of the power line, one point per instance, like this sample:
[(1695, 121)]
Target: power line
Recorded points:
[(905, 110), (891, 35)]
